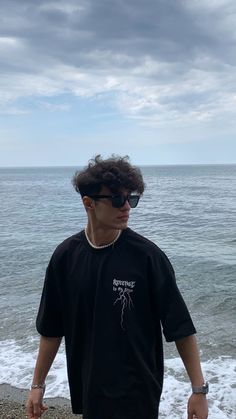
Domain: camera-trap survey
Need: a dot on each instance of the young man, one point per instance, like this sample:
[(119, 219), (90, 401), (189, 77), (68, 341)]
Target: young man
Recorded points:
[(110, 292)]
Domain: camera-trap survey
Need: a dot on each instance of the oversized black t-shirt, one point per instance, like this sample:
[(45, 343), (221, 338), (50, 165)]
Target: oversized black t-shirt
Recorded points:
[(111, 305)]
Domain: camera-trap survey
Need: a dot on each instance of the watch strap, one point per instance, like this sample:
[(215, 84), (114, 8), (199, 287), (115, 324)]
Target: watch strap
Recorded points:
[(201, 389)]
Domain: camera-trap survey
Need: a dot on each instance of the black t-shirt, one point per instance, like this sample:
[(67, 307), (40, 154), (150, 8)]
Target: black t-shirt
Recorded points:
[(111, 305)]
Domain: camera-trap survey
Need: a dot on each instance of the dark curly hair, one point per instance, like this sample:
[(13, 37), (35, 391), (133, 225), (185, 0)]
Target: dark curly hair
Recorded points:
[(115, 173)]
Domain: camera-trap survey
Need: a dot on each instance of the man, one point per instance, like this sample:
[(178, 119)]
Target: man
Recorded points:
[(109, 292)]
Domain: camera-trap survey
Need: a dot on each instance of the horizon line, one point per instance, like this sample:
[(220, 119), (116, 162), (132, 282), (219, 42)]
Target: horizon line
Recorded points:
[(133, 164)]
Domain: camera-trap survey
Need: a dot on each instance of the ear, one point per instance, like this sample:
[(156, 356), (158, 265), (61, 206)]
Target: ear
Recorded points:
[(88, 202)]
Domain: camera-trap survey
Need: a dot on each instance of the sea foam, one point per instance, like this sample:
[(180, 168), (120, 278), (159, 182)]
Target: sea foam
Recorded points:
[(17, 364)]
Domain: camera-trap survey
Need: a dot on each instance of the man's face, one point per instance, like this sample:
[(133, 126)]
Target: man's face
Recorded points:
[(106, 216)]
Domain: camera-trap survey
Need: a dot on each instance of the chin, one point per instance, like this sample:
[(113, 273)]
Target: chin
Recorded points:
[(123, 225)]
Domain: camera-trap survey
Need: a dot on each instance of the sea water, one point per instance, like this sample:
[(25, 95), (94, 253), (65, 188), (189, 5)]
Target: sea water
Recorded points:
[(189, 211)]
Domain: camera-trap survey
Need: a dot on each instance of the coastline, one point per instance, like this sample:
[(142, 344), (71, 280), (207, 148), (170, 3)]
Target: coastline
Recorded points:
[(13, 400)]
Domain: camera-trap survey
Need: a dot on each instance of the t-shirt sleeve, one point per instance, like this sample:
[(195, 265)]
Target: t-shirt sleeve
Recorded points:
[(172, 310), (49, 320)]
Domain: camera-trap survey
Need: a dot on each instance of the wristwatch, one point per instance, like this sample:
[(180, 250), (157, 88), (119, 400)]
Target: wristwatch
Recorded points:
[(201, 389)]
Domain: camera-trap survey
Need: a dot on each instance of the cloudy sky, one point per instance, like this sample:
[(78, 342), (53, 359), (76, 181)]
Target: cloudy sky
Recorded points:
[(154, 79)]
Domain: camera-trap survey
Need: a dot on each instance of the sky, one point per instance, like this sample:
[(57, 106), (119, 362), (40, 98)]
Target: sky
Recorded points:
[(152, 79)]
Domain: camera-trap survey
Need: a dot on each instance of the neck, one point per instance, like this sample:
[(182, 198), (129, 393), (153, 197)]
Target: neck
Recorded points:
[(101, 237)]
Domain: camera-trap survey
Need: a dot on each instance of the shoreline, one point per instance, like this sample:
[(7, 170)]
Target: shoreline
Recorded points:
[(13, 400)]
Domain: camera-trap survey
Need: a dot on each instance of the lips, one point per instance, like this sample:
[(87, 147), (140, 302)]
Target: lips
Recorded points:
[(123, 218)]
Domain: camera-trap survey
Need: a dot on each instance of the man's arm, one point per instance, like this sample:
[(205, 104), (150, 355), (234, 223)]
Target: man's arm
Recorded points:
[(188, 350), (48, 349)]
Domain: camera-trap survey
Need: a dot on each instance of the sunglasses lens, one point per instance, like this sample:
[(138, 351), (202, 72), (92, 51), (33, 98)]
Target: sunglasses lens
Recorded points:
[(133, 200), (118, 201)]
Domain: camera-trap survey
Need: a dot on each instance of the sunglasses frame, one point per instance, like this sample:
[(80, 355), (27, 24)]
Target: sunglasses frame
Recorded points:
[(121, 203)]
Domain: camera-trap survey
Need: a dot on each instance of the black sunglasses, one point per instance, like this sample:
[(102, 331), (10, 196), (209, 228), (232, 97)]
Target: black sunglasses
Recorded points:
[(117, 201)]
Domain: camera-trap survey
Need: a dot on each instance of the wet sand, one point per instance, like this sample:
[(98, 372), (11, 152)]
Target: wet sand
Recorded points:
[(12, 405)]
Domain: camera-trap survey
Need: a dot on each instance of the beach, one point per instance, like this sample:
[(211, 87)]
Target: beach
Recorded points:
[(13, 401)]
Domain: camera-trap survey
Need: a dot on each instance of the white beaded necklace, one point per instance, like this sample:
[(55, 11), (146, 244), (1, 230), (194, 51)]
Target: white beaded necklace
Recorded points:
[(105, 245)]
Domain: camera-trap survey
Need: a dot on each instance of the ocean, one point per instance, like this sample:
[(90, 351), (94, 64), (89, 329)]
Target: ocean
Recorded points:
[(188, 211)]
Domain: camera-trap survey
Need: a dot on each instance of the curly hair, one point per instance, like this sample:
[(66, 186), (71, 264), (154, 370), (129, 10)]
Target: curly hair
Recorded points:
[(115, 173)]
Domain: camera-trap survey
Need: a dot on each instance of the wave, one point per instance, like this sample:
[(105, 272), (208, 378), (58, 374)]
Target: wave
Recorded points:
[(17, 364)]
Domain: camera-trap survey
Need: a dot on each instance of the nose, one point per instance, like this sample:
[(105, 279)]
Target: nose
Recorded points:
[(126, 205)]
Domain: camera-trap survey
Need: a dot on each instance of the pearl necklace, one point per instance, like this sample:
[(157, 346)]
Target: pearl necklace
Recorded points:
[(105, 245)]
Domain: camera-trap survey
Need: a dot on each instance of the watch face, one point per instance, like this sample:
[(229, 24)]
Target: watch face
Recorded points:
[(205, 387)]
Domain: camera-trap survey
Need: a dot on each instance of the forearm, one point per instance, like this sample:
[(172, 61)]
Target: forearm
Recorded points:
[(188, 351), (48, 349)]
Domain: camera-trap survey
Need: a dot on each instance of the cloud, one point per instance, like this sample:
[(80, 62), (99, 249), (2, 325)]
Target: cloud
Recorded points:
[(160, 61)]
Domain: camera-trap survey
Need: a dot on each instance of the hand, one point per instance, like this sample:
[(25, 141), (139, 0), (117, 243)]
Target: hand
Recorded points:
[(197, 407), (34, 406)]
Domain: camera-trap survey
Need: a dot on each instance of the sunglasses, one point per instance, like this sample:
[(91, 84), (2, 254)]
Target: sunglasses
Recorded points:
[(117, 201)]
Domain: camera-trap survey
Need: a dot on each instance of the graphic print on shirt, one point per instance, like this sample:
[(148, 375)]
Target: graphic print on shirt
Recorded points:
[(124, 290)]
